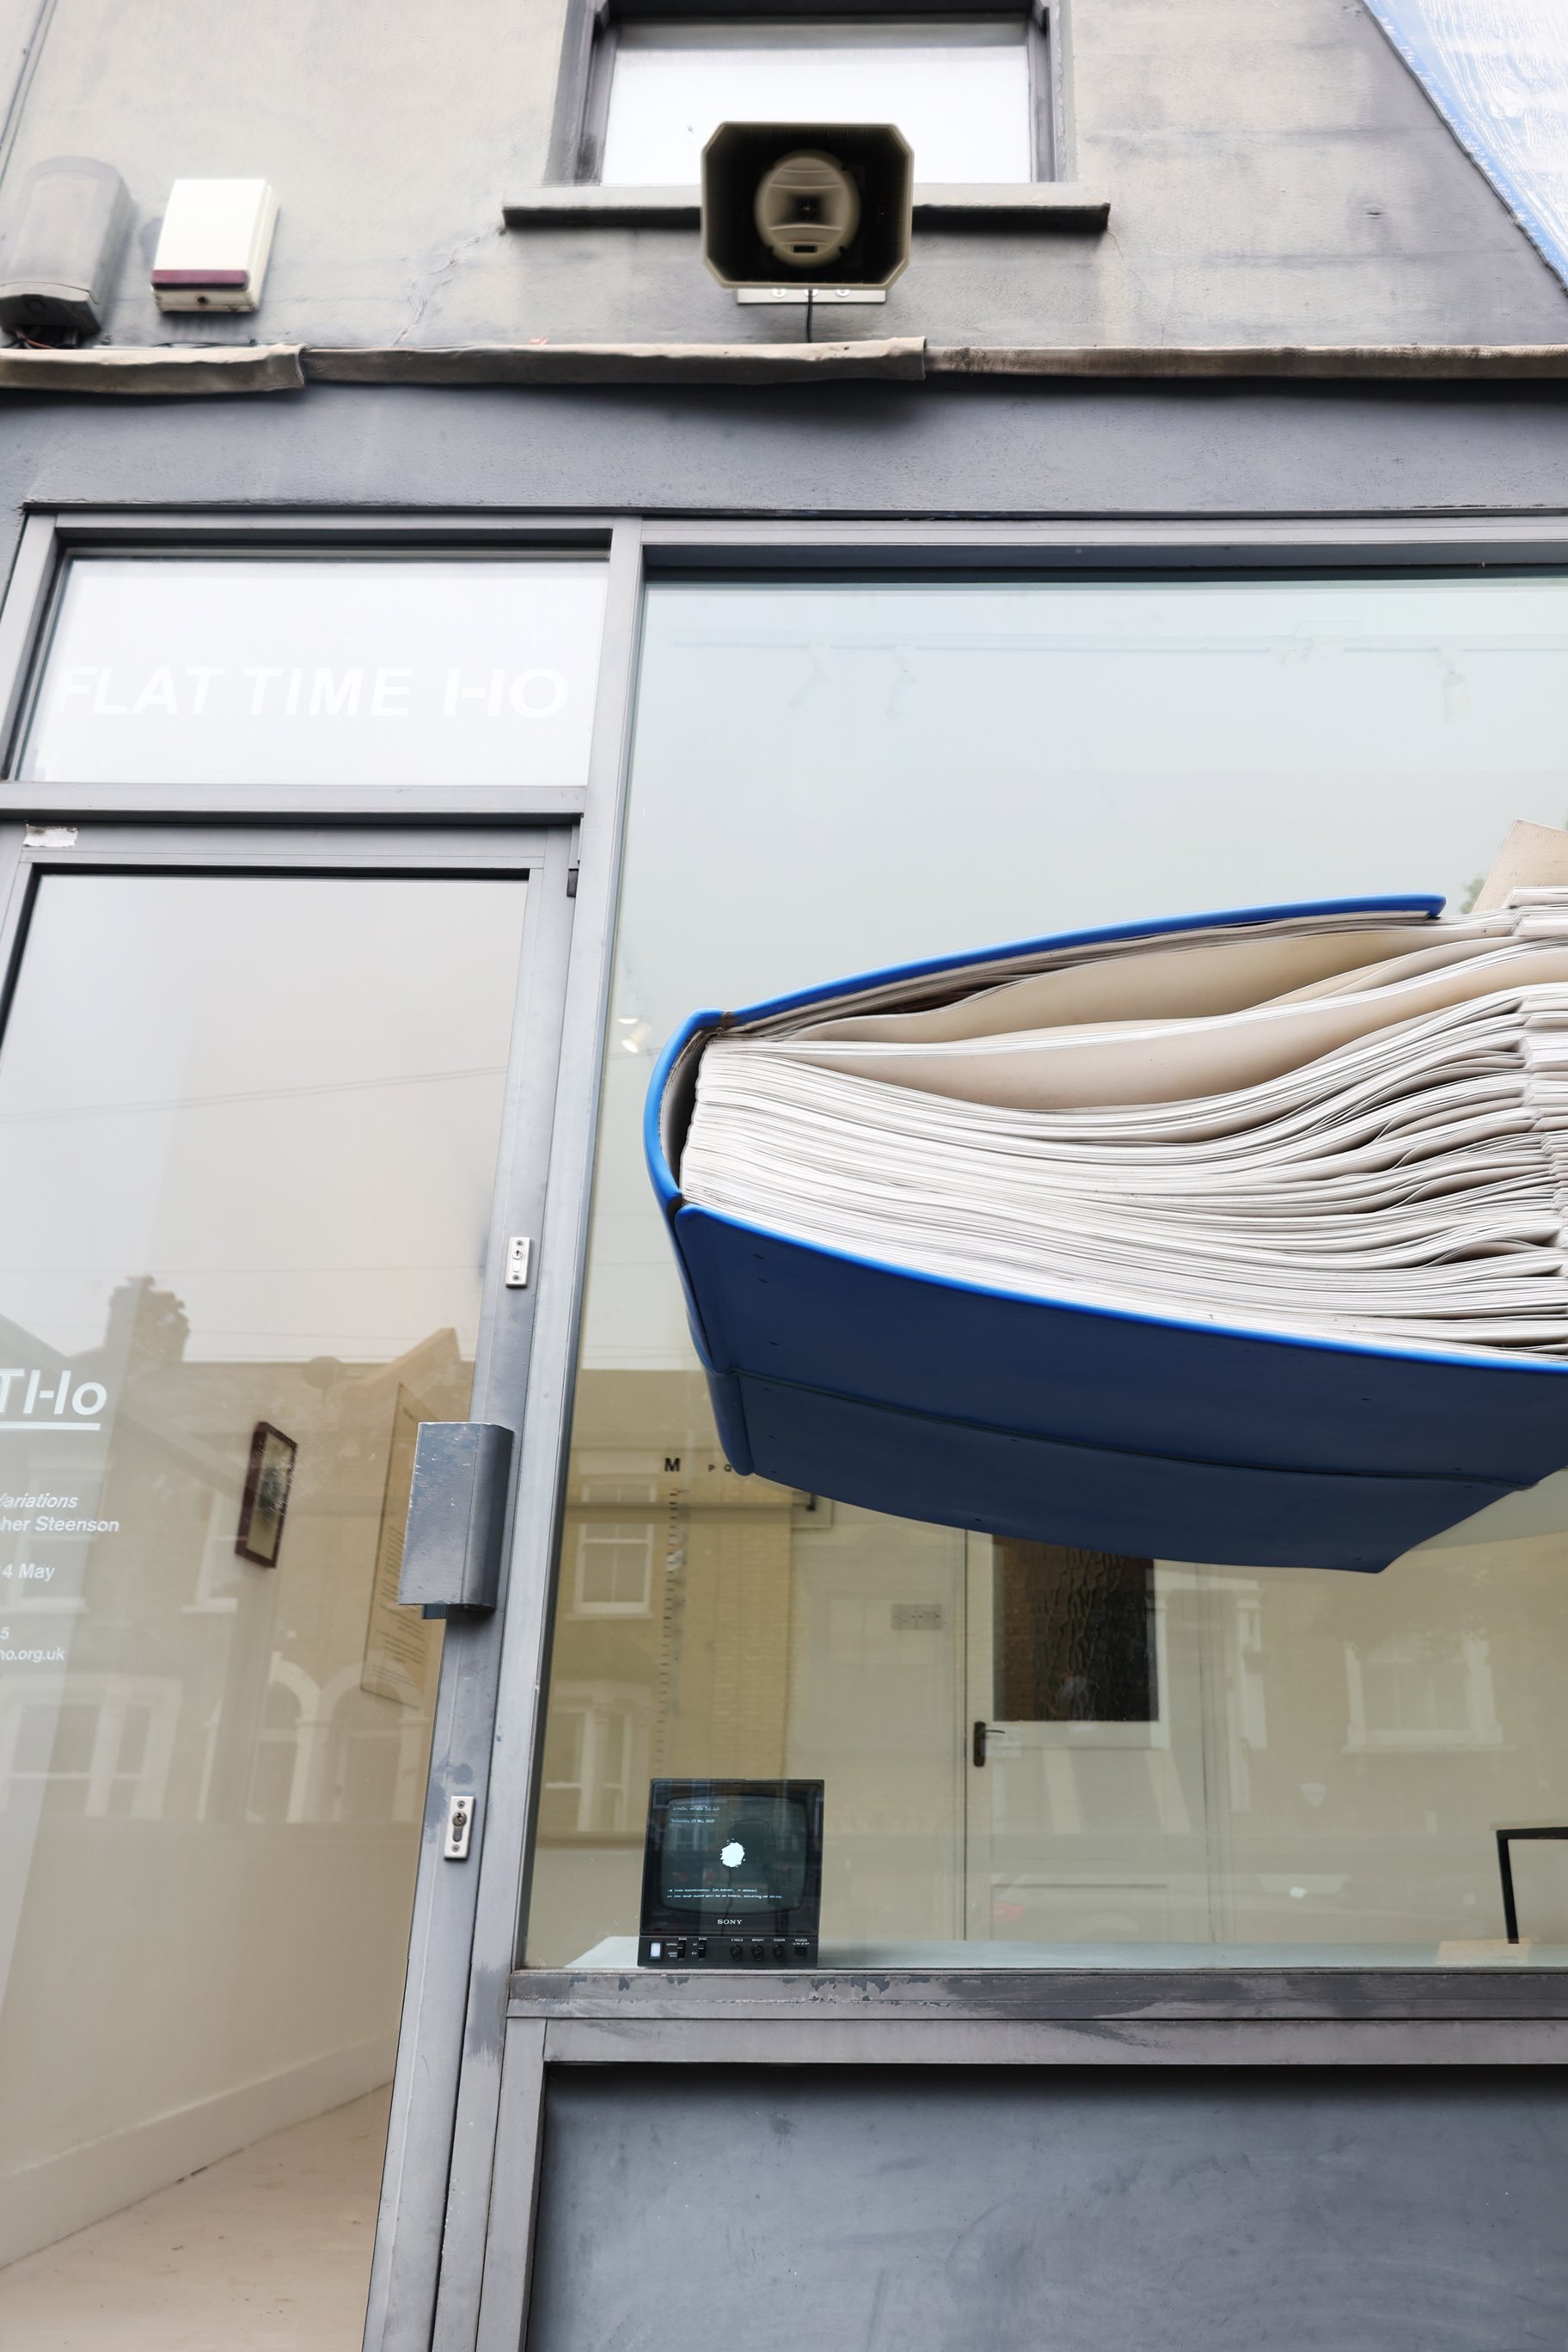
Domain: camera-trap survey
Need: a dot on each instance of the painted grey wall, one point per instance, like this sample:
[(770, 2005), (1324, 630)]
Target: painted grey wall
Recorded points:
[(20, 22), (1274, 174), (943, 447), (939, 2212)]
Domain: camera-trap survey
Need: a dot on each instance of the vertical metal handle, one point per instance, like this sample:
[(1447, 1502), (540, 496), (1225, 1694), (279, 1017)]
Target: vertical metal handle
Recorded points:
[(977, 1746), (457, 1509)]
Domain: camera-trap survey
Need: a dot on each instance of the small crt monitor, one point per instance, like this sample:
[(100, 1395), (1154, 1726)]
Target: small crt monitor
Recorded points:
[(731, 1874)]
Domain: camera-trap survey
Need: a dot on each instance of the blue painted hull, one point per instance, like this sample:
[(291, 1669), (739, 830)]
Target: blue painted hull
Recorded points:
[(1019, 1416)]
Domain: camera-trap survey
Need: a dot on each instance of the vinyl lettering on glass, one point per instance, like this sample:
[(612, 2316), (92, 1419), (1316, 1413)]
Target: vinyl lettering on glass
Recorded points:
[(319, 670)]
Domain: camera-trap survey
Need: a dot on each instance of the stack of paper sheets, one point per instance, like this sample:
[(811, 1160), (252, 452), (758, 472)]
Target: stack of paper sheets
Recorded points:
[(1337, 1126)]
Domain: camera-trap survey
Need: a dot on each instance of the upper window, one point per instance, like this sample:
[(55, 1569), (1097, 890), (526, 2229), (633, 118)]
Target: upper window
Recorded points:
[(319, 669), (959, 90)]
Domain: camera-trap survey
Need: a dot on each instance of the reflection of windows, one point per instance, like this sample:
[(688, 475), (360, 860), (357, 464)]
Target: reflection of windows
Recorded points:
[(280, 1763), (1422, 1691), (219, 1572), (595, 1760), (614, 1556), (98, 1745), (619, 1490), (1074, 1636), (330, 1753), (614, 1568)]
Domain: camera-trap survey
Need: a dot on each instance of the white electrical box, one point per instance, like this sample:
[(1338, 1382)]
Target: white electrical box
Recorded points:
[(214, 243)]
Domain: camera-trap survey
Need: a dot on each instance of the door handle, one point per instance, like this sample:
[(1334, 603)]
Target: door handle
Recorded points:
[(457, 1509), (981, 1732)]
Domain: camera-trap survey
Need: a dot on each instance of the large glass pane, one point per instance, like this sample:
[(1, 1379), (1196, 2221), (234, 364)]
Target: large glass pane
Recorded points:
[(958, 91), (834, 777), (320, 669), (247, 1138)]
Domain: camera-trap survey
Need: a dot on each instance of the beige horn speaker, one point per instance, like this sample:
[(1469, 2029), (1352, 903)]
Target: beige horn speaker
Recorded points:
[(808, 204)]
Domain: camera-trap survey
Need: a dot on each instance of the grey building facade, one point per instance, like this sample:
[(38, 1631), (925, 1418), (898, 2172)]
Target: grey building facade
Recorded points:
[(422, 691)]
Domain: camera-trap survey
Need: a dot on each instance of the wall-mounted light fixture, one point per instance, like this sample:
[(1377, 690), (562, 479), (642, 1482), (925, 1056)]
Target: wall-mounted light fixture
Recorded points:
[(61, 244)]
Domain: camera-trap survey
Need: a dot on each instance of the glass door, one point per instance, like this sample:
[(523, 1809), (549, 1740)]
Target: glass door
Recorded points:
[(1087, 1812), (249, 1127)]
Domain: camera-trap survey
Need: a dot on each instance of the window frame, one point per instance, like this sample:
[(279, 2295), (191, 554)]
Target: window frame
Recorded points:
[(49, 541), (592, 35)]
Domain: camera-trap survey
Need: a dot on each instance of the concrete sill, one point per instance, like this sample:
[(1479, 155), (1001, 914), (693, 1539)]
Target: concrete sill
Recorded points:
[(154, 368), (1039, 204), (127, 369)]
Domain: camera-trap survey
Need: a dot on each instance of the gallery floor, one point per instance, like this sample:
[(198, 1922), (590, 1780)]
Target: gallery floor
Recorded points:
[(266, 2252)]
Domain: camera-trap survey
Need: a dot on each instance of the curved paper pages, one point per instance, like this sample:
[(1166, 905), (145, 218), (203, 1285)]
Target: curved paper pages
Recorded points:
[(1185, 978), (1369, 1142)]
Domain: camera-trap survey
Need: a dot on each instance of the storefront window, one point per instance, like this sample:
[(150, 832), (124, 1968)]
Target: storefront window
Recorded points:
[(320, 669), (1034, 1755)]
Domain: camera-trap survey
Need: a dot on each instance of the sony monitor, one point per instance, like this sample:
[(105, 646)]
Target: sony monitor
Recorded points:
[(731, 1874)]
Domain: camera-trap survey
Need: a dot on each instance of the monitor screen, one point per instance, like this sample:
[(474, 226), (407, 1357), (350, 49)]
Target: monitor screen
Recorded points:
[(742, 1850)]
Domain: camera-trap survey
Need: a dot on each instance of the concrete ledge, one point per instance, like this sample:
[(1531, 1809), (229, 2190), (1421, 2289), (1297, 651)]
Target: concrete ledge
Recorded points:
[(1392, 362), (120, 368), (1144, 1996), (1033, 205), (886, 2041), (1042, 204), (901, 357), (904, 359), (590, 206)]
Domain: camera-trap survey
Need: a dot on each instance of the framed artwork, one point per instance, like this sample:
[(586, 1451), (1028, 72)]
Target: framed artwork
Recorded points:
[(266, 1499)]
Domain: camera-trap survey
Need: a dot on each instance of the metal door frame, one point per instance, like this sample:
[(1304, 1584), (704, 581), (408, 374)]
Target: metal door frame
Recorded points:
[(437, 1989), (435, 2194)]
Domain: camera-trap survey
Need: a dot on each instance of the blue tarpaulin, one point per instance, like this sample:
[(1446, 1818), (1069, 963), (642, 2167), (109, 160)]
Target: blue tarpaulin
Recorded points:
[(1496, 71)]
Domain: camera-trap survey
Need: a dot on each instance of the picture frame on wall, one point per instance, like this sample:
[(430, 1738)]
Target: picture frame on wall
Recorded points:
[(265, 1503)]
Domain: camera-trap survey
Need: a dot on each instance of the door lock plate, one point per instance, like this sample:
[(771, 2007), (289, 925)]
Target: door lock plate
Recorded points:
[(459, 1828)]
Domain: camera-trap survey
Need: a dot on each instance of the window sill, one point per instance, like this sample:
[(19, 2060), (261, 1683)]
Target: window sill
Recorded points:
[(1005, 2017), (1039, 204)]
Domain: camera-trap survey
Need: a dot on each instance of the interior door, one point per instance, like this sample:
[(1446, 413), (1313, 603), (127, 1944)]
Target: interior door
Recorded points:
[(261, 1148), (1088, 1814)]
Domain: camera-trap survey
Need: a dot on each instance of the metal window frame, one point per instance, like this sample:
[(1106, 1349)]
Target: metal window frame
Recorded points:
[(49, 540), (465, 2135), (591, 31), (772, 550)]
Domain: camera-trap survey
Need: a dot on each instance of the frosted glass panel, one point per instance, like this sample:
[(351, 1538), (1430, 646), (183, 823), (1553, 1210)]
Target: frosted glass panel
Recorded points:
[(319, 671), (958, 92)]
